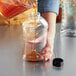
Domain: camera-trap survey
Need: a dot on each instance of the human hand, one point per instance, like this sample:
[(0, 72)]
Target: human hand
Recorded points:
[(47, 51)]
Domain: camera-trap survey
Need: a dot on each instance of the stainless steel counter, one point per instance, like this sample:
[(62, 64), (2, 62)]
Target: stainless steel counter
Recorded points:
[(11, 63)]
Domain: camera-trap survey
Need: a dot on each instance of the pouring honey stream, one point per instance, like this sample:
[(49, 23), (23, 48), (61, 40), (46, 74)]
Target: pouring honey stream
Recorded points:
[(33, 55)]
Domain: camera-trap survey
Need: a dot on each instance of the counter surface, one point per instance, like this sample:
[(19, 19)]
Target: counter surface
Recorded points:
[(12, 64)]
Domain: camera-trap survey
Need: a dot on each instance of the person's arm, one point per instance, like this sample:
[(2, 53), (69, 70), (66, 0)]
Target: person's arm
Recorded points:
[(49, 10), (47, 52), (50, 17)]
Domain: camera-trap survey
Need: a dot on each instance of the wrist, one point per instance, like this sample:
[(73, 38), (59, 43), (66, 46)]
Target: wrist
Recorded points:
[(50, 42)]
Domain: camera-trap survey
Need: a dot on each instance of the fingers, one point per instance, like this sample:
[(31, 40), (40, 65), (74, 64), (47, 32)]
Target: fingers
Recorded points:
[(46, 55), (35, 41), (38, 40), (47, 50)]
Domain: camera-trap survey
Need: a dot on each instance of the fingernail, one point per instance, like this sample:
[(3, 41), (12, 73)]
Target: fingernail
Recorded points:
[(42, 57), (43, 51), (46, 59)]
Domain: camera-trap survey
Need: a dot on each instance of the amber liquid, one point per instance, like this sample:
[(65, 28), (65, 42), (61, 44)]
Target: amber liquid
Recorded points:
[(10, 11), (31, 49)]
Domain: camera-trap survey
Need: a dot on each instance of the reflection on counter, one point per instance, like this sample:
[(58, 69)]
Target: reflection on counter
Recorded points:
[(36, 68)]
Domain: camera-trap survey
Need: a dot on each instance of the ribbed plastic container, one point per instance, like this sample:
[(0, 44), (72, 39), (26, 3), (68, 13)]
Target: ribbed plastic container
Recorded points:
[(34, 35)]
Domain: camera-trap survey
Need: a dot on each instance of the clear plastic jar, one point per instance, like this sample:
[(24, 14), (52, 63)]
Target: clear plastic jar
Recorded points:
[(11, 8), (35, 35)]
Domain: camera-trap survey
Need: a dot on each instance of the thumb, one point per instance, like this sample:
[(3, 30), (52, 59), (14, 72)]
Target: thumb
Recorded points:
[(38, 40)]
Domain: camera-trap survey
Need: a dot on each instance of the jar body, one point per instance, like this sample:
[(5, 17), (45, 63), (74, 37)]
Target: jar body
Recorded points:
[(68, 26), (35, 36), (11, 8)]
